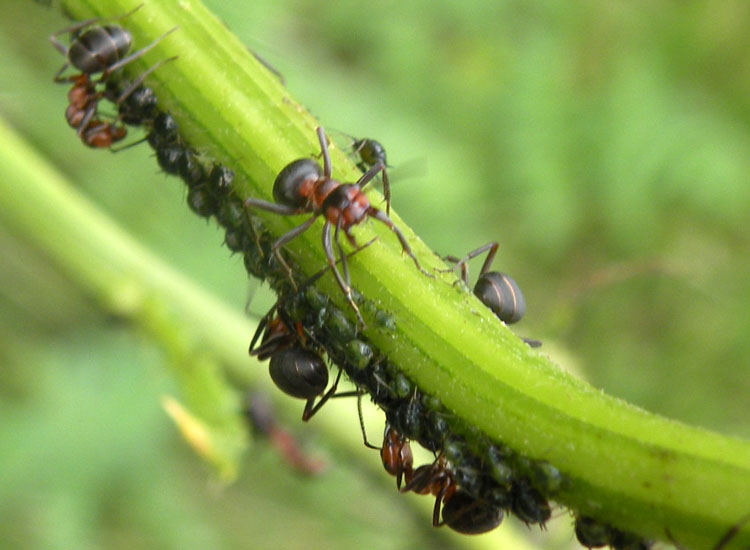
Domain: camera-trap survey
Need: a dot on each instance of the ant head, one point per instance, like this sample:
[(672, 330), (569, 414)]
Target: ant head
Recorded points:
[(287, 189)]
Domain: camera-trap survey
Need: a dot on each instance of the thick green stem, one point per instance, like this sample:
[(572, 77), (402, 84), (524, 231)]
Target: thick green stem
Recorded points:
[(639, 471)]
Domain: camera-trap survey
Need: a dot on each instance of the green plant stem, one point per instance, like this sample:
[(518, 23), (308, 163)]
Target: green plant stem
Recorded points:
[(639, 471), (189, 324)]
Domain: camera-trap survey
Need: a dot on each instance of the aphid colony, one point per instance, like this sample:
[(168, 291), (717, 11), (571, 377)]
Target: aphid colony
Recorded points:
[(474, 481)]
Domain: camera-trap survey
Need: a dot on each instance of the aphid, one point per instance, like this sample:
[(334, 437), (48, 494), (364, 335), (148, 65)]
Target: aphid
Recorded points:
[(436, 479), (469, 515), (528, 504), (301, 188), (496, 290), (259, 413)]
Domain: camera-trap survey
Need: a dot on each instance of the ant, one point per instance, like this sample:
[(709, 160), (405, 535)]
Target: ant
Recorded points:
[(498, 291), (296, 370), (98, 49), (301, 188)]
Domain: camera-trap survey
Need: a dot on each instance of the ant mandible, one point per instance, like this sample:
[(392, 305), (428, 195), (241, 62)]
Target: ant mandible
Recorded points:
[(301, 187)]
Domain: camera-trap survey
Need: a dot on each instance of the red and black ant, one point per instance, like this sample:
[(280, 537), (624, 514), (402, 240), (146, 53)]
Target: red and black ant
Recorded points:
[(98, 49), (301, 188)]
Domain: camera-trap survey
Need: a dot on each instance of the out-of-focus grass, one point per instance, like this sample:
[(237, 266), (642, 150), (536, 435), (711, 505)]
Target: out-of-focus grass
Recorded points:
[(604, 146)]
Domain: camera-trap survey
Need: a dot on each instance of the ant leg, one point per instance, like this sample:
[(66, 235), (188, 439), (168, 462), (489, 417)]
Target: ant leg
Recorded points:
[(362, 424), (731, 533), (280, 209), (57, 77), (281, 241), (268, 66), (309, 411), (138, 81), (261, 326), (370, 174), (83, 127), (491, 246), (387, 192), (135, 55), (328, 249), (342, 255), (380, 216), (320, 273), (324, 151)]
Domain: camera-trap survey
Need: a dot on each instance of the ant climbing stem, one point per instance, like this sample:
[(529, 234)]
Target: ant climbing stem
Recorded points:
[(302, 187)]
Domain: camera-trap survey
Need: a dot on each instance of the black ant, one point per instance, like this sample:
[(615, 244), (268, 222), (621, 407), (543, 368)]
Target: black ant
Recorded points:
[(296, 366), (99, 49), (301, 187)]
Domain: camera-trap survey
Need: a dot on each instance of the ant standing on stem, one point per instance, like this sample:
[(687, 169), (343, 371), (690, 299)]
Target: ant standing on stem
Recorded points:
[(301, 188), (97, 49)]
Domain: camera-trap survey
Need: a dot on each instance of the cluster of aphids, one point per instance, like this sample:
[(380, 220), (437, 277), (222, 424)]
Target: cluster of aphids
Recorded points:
[(474, 481)]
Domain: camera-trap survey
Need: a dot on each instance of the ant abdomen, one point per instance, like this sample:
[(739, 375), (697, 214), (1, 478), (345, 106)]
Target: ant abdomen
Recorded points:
[(286, 188), (470, 516), (99, 48), (502, 295), (298, 372)]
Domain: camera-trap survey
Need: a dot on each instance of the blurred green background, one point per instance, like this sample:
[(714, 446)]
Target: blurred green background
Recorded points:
[(605, 145)]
